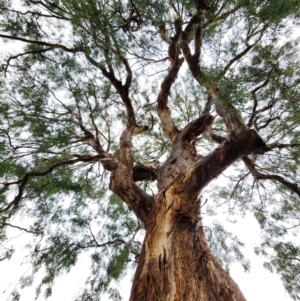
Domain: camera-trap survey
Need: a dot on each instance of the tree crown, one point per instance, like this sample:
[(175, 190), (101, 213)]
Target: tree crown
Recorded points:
[(96, 88)]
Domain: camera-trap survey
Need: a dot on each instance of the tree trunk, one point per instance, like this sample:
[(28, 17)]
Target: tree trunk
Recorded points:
[(176, 263)]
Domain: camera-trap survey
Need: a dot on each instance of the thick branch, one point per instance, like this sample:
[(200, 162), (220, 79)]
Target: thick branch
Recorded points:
[(225, 109), (196, 127), (162, 101), (198, 42), (209, 135), (122, 183), (174, 48), (230, 114), (250, 165), (163, 34), (189, 185), (145, 172), (207, 105), (184, 153), (187, 33)]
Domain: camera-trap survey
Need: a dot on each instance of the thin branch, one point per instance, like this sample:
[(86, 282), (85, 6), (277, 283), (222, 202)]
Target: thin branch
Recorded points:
[(98, 132), (25, 53), (21, 228), (50, 5), (148, 59), (112, 242), (236, 186), (34, 13), (282, 145), (216, 19), (253, 92), (126, 64), (236, 58), (245, 51), (123, 90), (9, 139), (23, 181), (260, 176), (42, 43), (267, 122), (93, 140)]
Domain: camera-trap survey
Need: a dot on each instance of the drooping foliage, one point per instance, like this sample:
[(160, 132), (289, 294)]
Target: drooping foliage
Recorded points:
[(75, 74)]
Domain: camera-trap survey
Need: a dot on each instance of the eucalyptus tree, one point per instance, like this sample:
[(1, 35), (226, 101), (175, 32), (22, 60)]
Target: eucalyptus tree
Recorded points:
[(118, 120)]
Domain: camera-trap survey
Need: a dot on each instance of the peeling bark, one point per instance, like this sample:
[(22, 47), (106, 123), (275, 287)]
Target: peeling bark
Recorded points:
[(122, 183), (176, 263)]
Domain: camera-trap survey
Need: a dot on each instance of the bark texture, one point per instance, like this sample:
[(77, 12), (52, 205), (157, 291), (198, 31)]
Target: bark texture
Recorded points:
[(176, 263)]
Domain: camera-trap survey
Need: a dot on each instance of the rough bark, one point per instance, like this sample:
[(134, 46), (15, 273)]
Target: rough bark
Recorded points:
[(176, 263), (121, 181)]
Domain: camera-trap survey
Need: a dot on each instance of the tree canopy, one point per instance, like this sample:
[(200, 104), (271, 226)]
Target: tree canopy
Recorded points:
[(82, 80)]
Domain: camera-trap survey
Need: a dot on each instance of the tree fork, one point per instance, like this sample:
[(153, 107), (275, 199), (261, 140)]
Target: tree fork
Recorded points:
[(175, 262)]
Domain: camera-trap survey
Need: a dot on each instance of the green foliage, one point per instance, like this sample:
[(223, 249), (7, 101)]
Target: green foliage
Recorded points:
[(226, 247), (55, 94)]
